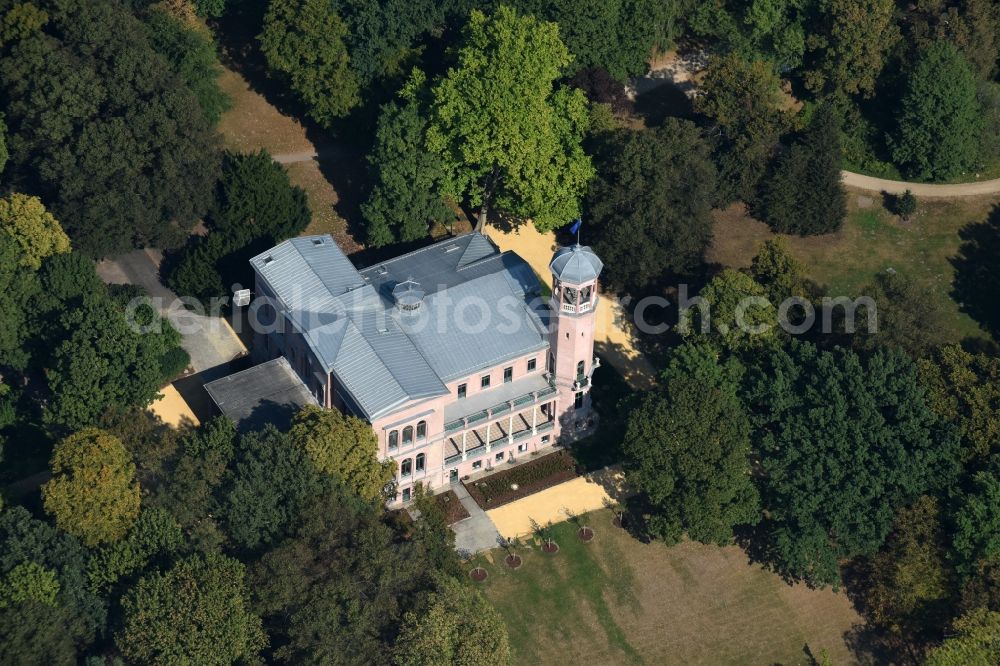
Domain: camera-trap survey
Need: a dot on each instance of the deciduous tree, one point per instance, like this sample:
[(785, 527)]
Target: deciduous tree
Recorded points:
[(452, 624), (744, 99), (122, 155), (977, 520), (93, 494), (303, 42), (844, 442), (196, 612), (344, 446), (688, 450), (509, 135), (736, 315), (267, 488), (850, 48), (191, 54), (407, 195), (964, 389), (977, 641), (910, 579), (651, 202), (36, 231)]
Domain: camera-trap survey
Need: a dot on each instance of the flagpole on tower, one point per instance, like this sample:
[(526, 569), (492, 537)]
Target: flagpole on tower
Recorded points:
[(576, 229)]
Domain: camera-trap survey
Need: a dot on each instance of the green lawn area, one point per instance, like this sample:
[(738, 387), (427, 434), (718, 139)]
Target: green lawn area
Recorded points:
[(871, 241), (616, 600)]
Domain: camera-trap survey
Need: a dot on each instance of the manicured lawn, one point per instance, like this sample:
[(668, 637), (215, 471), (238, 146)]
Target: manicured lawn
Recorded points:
[(871, 241), (616, 600)]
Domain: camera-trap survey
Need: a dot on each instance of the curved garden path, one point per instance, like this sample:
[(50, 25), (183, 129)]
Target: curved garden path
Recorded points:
[(859, 181)]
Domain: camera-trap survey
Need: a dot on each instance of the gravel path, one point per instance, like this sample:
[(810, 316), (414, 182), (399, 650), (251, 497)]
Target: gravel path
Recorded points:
[(929, 190)]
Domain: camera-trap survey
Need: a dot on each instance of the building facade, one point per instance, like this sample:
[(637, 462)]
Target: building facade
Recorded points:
[(450, 352)]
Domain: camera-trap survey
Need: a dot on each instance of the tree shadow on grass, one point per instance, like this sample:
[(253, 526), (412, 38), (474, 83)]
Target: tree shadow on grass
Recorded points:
[(977, 272)]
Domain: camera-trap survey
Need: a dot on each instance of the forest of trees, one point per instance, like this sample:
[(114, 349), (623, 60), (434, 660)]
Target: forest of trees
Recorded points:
[(868, 461)]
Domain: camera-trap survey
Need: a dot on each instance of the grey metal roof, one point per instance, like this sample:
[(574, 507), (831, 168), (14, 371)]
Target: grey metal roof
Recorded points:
[(576, 264), (267, 393), (384, 357)]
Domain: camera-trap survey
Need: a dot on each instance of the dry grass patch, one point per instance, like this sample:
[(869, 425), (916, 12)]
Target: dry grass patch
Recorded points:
[(616, 600), (871, 241), (253, 123)]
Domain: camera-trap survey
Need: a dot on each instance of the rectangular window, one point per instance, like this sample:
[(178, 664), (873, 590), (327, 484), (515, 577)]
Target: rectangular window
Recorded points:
[(578, 400), (521, 448), (532, 363), (484, 381), (545, 439), (477, 465), (406, 494), (508, 375), (498, 457), (461, 391)]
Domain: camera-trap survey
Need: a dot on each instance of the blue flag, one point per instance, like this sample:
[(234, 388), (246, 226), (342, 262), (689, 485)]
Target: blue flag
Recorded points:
[(576, 226)]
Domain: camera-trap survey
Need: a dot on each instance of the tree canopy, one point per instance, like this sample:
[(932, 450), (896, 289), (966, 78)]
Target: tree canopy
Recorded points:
[(844, 441), (744, 99), (93, 494), (344, 446), (36, 231), (303, 42), (938, 117), (409, 179), (122, 155), (196, 612), (452, 624), (651, 201), (804, 194), (687, 449), (508, 134)]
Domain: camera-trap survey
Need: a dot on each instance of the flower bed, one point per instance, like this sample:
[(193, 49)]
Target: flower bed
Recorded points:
[(452, 507), (496, 490)]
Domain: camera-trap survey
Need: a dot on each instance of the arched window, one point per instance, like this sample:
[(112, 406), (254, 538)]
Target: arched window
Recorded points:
[(579, 369), (406, 467), (421, 431), (420, 462), (393, 439), (407, 435)]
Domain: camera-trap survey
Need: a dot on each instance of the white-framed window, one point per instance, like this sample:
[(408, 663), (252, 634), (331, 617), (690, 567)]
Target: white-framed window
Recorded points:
[(407, 493), (484, 381), (421, 430), (393, 440), (420, 462), (508, 375), (407, 435), (532, 364), (406, 468)]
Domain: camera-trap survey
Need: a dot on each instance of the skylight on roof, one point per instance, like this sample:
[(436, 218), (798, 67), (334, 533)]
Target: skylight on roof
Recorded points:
[(317, 241)]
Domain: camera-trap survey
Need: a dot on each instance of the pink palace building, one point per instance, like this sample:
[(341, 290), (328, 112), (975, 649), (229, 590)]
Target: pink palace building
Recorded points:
[(450, 352)]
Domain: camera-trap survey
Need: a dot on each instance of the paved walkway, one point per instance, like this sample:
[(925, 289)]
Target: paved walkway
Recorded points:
[(475, 533), (614, 339), (210, 341), (929, 190)]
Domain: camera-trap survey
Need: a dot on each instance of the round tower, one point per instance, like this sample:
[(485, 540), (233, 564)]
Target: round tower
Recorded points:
[(575, 270)]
